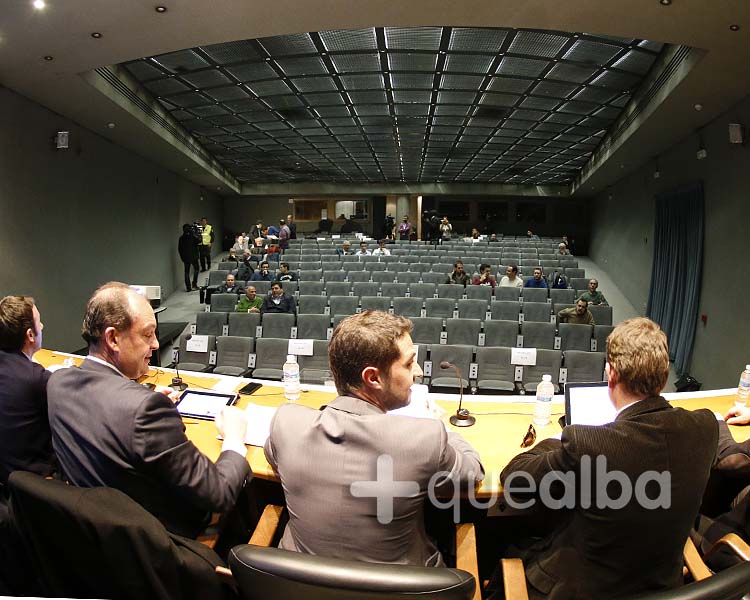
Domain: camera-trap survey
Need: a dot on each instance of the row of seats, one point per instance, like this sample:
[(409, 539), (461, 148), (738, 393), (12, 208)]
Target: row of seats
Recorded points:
[(324, 278), (419, 306), (482, 368), (426, 330)]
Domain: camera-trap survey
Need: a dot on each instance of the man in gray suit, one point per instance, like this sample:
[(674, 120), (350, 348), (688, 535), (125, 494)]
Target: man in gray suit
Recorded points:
[(108, 430), (354, 477)]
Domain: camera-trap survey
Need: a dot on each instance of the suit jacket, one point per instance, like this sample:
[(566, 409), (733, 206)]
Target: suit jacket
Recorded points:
[(110, 431), (287, 305), (598, 552), (25, 439), (319, 454)]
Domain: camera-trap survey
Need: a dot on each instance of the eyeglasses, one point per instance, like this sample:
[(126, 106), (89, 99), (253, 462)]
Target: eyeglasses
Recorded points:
[(529, 438)]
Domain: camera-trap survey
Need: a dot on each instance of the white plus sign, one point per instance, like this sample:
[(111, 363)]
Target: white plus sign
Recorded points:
[(384, 489)]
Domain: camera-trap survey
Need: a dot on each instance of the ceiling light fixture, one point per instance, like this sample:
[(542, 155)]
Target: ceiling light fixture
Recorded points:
[(39, 4), (698, 106), (49, 58), (96, 35), (160, 9), (111, 125), (665, 2), (734, 27)]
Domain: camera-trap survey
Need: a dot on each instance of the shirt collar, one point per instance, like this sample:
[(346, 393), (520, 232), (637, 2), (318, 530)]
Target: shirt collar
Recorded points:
[(104, 362)]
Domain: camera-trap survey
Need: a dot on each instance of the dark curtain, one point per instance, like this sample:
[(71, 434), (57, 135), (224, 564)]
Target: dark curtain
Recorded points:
[(676, 274)]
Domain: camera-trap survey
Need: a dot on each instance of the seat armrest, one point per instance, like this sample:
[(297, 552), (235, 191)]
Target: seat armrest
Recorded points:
[(267, 525), (735, 543), (514, 579), (694, 563), (466, 554)]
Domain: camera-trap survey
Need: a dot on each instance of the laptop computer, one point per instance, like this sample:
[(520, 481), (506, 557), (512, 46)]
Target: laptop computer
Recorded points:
[(588, 404)]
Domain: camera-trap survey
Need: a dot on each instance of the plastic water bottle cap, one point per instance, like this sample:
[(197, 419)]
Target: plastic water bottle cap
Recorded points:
[(291, 358), (546, 377)]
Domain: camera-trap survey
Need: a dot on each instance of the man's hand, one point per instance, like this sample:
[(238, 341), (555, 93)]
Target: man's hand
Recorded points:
[(231, 424), (738, 415), (173, 395)]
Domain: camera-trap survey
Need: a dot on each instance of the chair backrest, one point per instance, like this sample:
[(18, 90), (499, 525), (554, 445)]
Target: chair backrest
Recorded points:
[(450, 290), (463, 331), (311, 288), (507, 293), (334, 275), (315, 305), (263, 572), (338, 288), (210, 323), (217, 277), (343, 305), (574, 336), (534, 294), (365, 288), (602, 314), (426, 330), (407, 307), (501, 333), (313, 327), (233, 351), (277, 325), (582, 366), (440, 307), (473, 308), (98, 543), (729, 584), (536, 311), (422, 290), (202, 358), (375, 303), (538, 335), (223, 302), (243, 324), (505, 310)]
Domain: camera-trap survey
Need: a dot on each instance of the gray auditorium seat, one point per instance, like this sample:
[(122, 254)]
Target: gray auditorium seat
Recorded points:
[(536, 311), (473, 309), (337, 288), (464, 331), (439, 307), (479, 292), (383, 276), (343, 305), (507, 293), (458, 355), (567, 296), (375, 303), (195, 361), (408, 277), (243, 324), (310, 274), (547, 363), (223, 302), (601, 332), (210, 323), (334, 275), (270, 356), (311, 288), (534, 295), (394, 290), (574, 336), (432, 277), (501, 333), (538, 335), (277, 325), (366, 288), (451, 290), (232, 355), (602, 314), (426, 330), (422, 290), (494, 371), (407, 307), (313, 326), (312, 305), (505, 310), (354, 276), (583, 367), (315, 369)]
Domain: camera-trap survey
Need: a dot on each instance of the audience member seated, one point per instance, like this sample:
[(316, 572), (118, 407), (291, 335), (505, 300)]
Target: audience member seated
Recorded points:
[(277, 301), (592, 295), (25, 439), (578, 314), (285, 274), (240, 245), (485, 276), (531, 235), (558, 281), (256, 230), (348, 226), (230, 286), (562, 249), (249, 302), (108, 430), (258, 250), (381, 250), (624, 538), (351, 437), (474, 233), (458, 276), (232, 256), (511, 278), (345, 250), (537, 281), (493, 238), (273, 230), (245, 268), (263, 273), (363, 251)]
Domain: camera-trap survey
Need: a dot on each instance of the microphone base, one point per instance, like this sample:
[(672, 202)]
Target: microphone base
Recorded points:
[(177, 384), (462, 421)]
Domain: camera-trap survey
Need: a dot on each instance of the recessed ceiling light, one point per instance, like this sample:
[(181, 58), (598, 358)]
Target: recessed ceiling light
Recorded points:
[(111, 125), (160, 9), (39, 4), (49, 58), (96, 35), (734, 27), (698, 107), (665, 2)]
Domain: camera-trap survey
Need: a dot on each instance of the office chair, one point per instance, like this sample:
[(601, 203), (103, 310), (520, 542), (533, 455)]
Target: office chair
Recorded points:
[(263, 572), (98, 543)]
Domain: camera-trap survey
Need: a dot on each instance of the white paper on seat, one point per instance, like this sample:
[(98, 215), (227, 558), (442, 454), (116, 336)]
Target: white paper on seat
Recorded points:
[(523, 356), (197, 343), (258, 424), (300, 347)]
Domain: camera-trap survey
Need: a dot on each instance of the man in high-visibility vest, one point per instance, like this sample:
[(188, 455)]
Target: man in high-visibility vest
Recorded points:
[(204, 249)]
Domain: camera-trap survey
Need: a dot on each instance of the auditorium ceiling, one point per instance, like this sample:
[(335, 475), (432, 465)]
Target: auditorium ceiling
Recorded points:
[(330, 96)]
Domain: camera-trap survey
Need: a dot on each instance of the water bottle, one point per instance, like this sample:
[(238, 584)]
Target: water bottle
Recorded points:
[(743, 389), (291, 378), (543, 404)]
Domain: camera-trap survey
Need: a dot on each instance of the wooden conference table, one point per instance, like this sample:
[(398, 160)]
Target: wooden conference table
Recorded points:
[(502, 421)]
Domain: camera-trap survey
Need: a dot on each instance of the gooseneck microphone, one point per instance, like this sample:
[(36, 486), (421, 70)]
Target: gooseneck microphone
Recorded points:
[(462, 418), (177, 384)]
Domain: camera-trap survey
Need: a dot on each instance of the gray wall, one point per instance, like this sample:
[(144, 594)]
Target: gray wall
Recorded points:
[(622, 237), (243, 212), (73, 219)]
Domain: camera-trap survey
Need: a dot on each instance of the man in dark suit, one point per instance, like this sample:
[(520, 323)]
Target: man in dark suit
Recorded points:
[(25, 442), (188, 249), (277, 301), (108, 430), (609, 543)]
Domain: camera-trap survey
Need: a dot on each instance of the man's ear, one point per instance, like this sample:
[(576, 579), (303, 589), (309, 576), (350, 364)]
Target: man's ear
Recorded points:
[(372, 378), (29, 337), (611, 375), (111, 339)]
